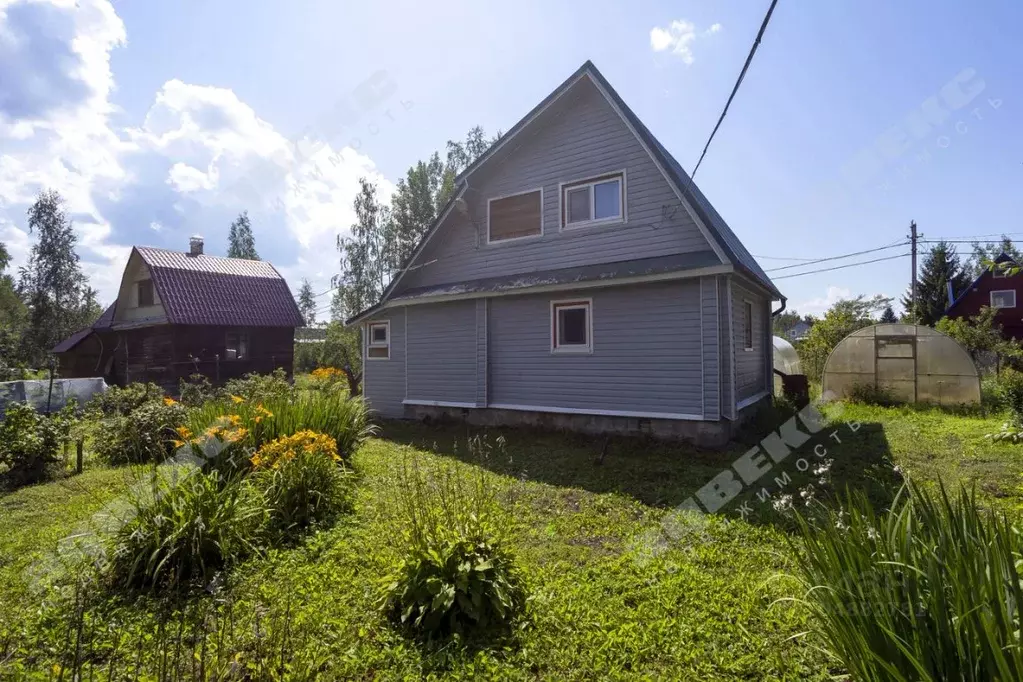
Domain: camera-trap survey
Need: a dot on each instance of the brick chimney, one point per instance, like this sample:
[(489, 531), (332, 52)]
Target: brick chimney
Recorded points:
[(195, 245)]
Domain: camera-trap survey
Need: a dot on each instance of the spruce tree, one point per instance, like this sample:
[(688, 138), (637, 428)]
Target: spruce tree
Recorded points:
[(941, 265), (888, 316), (241, 243)]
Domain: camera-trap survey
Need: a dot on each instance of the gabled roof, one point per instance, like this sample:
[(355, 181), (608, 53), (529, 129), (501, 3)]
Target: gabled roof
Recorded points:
[(1003, 257), (714, 227), (210, 290)]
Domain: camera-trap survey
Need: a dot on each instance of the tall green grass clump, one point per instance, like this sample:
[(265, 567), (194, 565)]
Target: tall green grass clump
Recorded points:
[(346, 421), (457, 578), (928, 591), (182, 527)]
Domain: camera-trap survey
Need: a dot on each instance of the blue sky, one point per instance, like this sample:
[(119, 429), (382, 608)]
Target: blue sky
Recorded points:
[(159, 120)]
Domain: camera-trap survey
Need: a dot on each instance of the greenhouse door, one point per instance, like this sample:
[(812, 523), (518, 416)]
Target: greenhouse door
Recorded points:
[(895, 366)]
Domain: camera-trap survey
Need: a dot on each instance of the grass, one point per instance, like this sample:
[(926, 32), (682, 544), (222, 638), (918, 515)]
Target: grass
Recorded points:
[(602, 604)]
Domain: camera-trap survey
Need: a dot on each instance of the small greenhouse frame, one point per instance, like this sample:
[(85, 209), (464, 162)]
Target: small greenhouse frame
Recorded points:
[(786, 359), (912, 363)]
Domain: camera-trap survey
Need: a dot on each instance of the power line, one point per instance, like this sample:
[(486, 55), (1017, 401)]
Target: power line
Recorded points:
[(831, 258), (841, 267), (735, 89)]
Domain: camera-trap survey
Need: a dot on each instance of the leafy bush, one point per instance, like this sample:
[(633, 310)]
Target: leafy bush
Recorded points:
[(870, 394), (303, 479), (346, 421), (1009, 390), (145, 435), (260, 388), (197, 390), (31, 442), (123, 401), (457, 578), (931, 590), (184, 529)]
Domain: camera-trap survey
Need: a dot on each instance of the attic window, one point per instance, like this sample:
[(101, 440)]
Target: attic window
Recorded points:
[(1003, 299), (593, 201), (379, 346), (145, 292), (517, 216), (236, 346)]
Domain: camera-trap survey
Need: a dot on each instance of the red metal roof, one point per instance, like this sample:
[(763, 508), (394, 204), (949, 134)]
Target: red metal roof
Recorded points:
[(210, 290)]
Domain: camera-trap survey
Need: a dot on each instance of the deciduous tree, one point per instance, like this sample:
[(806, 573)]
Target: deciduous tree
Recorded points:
[(241, 242), (307, 303)]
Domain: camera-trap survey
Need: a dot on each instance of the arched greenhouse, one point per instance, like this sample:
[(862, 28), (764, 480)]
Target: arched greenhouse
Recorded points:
[(786, 359), (913, 363)]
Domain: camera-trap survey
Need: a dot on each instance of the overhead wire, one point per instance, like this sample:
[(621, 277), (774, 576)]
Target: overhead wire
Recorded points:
[(842, 267), (840, 257), (735, 89)]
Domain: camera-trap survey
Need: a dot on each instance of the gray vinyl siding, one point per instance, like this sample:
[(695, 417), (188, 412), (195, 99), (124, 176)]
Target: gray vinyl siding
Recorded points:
[(384, 380), (646, 352), (579, 137), (711, 347), (750, 377), (725, 343), (442, 352), (482, 310)]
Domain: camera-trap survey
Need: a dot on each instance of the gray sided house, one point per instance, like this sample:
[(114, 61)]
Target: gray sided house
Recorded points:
[(576, 279)]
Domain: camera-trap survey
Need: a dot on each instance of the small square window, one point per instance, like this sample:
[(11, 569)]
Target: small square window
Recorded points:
[(571, 327), (593, 201), (379, 345), (1003, 299), (236, 346), (145, 292), (747, 325)]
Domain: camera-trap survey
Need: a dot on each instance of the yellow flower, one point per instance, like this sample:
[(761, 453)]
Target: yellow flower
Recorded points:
[(184, 432), (237, 399), (168, 401), (177, 443), (234, 419)]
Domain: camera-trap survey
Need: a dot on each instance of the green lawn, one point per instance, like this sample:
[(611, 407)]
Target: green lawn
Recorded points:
[(613, 594)]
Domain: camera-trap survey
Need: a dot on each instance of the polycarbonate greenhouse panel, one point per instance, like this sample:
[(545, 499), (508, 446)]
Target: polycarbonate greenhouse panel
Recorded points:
[(913, 363), (786, 359)]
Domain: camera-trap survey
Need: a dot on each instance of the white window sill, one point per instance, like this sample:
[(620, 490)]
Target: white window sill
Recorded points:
[(617, 220), (513, 240), (569, 350)]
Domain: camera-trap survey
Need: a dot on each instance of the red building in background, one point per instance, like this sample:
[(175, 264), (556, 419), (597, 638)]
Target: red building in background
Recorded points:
[(994, 289)]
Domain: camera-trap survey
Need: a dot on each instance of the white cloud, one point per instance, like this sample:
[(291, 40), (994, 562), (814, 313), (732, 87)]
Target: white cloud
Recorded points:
[(818, 306), (678, 38), (199, 156)]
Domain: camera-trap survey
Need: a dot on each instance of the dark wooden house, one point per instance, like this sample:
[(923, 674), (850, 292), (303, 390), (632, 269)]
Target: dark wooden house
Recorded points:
[(180, 313), (995, 288)]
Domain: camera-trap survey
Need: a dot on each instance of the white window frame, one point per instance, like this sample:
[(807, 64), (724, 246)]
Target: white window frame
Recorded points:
[(370, 343), (747, 306), (571, 304), (565, 187), (514, 239), (244, 343), (1003, 291)]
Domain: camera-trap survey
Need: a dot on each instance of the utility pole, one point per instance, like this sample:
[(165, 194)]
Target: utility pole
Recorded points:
[(912, 295)]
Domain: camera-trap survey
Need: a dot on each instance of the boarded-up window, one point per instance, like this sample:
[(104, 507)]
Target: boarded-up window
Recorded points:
[(747, 325), (515, 217), (145, 288)]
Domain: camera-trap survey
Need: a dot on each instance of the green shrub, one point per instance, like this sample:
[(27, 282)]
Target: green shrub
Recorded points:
[(197, 390), (30, 443), (870, 394), (145, 435), (123, 401), (928, 591), (260, 388), (304, 482), (457, 577), (1009, 390), (184, 528), (346, 421)]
